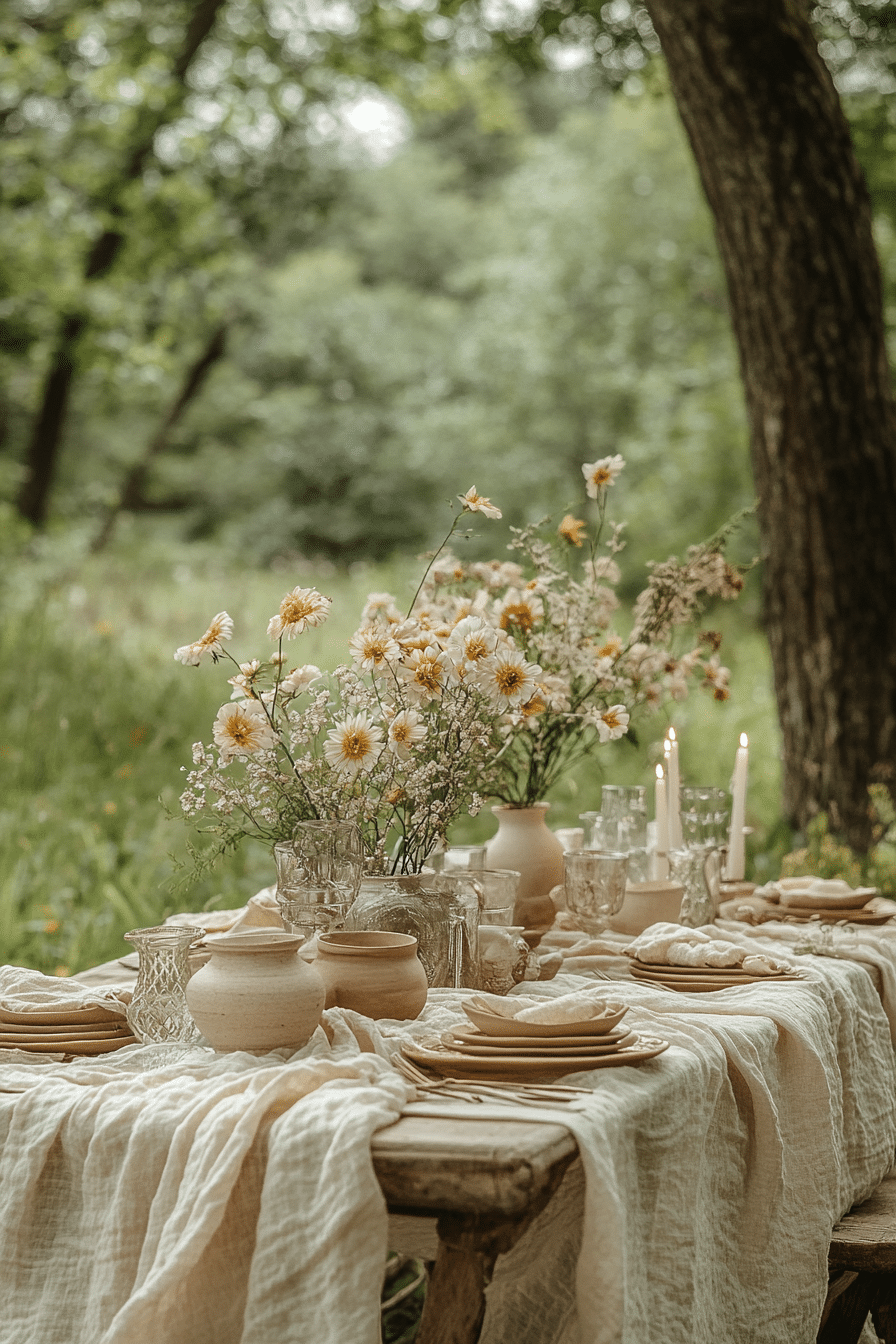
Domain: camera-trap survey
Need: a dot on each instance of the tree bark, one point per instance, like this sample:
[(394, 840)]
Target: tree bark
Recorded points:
[(793, 221), (133, 492), (42, 454)]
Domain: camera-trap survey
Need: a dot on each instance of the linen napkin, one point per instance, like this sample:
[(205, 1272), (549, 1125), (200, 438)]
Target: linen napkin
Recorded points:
[(673, 945), (26, 991), (580, 1006)]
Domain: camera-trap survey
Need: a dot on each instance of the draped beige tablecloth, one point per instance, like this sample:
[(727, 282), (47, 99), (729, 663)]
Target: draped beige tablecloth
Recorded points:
[(233, 1199)]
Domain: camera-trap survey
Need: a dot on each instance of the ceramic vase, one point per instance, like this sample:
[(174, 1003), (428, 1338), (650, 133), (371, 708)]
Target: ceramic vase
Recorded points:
[(256, 993), (374, 973), (525, 844), (648, 903)]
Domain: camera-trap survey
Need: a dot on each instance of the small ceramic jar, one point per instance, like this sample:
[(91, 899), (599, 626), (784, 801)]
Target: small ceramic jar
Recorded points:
[(377, 974), (255, 993), (648, 903)]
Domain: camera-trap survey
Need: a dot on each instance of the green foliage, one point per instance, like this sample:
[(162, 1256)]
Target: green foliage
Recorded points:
[(824, 855)]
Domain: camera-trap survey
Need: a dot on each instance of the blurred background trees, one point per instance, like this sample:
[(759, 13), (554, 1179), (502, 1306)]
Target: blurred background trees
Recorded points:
[(370, 254)]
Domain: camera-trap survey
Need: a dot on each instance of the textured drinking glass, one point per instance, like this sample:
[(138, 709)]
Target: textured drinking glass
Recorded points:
[(318, 875), (593, 827), (457, 857), (705, 816), (595, 886), (689, 867), (624, 812), (496, 890), (158, 1011)]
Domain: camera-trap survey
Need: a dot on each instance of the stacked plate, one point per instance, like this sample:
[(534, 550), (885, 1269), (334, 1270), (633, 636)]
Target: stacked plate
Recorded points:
[(801, 899), (702, 979), (68, 1031), (500, 1047)]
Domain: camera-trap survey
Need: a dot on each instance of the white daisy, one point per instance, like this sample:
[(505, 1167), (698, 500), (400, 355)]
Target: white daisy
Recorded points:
[(424, 673), (220, 628), (600, 475), (507, 679), (242, 682), (612, 723), (353, 745), (299, 679), (380, 607), (241, 729), (406, 731), (474, 503), (301, 608), (373, 648), (519, 611)]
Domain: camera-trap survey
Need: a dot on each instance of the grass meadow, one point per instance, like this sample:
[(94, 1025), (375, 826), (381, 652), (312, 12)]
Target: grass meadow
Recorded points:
[(99, 720)]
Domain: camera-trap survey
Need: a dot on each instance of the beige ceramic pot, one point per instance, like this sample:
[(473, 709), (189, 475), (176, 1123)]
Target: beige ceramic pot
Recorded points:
[(255, 993), (377, 974), (648, 903), (525, 844)]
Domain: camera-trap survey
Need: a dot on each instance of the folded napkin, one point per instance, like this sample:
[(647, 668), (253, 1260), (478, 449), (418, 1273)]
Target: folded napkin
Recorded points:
[(673, 945), (27, 991), (577, 1007)]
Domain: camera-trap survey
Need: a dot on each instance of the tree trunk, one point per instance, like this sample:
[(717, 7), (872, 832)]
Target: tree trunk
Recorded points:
[(793, 221), (43, 447), (133, 492)]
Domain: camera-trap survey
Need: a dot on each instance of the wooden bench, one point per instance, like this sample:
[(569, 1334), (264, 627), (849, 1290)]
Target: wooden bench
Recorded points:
[(862, 1266)]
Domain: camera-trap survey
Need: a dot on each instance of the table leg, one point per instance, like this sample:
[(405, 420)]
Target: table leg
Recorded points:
[(851, 1296)]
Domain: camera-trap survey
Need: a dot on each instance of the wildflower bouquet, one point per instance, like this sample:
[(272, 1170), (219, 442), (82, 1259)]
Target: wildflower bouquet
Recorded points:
[(538, 636), (398, 740)]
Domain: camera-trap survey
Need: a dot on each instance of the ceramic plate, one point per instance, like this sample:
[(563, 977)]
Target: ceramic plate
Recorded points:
[(540, 1048), (538, 1042), (698, 972), (851, 901), (878, 911), (495, 1025), (66, 1046), (697, 982), (69, 1016), (97, 1031), (523, 1066)]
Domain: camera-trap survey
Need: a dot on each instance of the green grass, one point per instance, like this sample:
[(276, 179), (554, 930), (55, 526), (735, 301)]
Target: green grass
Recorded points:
[(99, 720)]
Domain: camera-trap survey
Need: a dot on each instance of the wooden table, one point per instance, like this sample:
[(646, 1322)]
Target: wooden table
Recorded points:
[(459, 1193)]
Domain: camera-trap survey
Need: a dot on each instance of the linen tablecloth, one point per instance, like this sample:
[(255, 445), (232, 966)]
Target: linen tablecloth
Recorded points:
[(233, 1199)]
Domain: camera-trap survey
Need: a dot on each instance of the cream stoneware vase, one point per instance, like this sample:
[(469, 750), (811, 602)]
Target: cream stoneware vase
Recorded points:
[(256, 993), (377, 974), (525, 844)]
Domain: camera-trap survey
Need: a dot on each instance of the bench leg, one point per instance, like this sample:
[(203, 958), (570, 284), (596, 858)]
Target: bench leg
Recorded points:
[(851, 1296), (455, 1297)]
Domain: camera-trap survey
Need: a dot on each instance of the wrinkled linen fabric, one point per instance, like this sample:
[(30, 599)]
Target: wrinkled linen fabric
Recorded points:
[(711, 1176), (700, 1213), (216, 1200)]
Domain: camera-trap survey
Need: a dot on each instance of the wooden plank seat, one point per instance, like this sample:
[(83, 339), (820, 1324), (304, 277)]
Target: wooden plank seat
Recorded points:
[(461, 1192), (862, 1265)]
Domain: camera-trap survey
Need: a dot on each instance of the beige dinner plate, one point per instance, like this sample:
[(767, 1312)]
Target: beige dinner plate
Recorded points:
[(532, 1048), (539, 1042), (69, 1016), (493, 1024), (700, 972), (456, 1065), (66, 1046), (855, 900), (877, 911), (96, 1031), (710, 982)]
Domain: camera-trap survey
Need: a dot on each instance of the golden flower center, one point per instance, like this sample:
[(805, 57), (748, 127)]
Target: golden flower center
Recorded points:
[(294, 609), (241, 730), (611, 719), (476, 648), (401, 732), (375, 650), (356, 744), (509, 679), (519, 614), (534, 706), (429, 675), (610, 650), (212, 635), (601, 477)]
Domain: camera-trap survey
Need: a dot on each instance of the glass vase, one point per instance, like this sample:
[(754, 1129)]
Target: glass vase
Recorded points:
[(440, 910), (158, 1012), (318, 874)]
